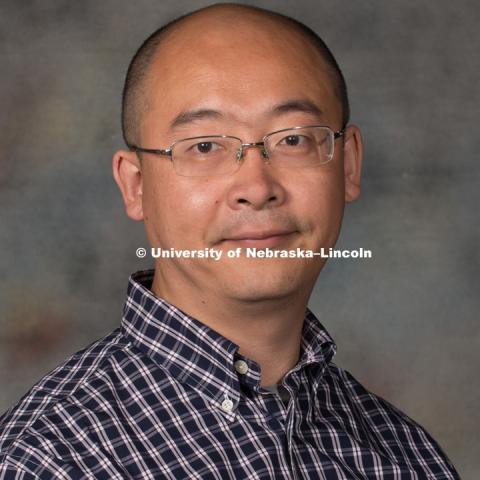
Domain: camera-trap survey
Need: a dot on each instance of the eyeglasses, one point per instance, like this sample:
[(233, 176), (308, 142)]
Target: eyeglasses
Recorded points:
[(296, 147)]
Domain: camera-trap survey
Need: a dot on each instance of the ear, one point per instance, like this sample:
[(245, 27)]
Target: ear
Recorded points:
[(127, 173), (352, 162)]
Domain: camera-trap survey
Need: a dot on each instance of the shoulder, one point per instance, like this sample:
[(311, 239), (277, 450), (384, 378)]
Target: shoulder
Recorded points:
[(370, 406), (59, 385), (375, 422), (51, 430), (77, 419)]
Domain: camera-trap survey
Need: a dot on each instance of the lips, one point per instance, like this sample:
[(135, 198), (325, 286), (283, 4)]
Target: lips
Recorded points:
[(259, 239)]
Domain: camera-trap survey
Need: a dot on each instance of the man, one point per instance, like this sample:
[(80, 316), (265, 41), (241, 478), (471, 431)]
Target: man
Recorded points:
[(236, 122)]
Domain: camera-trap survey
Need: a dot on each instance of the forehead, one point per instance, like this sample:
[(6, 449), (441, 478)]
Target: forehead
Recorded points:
[(241, 67)]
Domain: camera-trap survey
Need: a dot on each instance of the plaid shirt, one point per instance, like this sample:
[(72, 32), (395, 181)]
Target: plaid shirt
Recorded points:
[(166, 397)]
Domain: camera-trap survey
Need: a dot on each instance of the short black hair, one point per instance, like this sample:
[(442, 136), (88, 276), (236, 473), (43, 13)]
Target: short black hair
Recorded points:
[(133, 101)]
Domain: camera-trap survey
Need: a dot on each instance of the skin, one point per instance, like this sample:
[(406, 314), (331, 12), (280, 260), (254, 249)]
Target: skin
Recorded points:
[(241, 64)]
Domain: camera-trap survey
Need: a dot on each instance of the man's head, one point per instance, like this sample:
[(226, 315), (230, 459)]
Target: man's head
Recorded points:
[(244, 72), (135, 97)]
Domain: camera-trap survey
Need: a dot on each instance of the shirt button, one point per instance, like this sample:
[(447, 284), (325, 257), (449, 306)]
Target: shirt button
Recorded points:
[(227, 405), (241, 367)]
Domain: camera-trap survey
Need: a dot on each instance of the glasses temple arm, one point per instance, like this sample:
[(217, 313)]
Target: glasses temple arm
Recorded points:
[(166, 151)]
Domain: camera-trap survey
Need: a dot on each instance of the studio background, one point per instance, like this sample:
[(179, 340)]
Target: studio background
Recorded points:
[(405, 321)]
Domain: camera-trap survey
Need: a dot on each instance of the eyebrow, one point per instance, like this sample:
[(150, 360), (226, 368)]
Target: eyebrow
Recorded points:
[(189, 116), (289, 106), (292, 106)]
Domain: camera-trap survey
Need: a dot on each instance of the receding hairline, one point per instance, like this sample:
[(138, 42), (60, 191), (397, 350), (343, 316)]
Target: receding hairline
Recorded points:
[(135, 92)]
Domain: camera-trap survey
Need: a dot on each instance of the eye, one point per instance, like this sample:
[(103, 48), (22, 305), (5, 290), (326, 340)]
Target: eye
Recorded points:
[(202, 149), (295, 140), (205, 148)]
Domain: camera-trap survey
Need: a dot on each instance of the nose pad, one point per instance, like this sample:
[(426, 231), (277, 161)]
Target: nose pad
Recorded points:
[(265, 156), (239, 154), (263, 153)]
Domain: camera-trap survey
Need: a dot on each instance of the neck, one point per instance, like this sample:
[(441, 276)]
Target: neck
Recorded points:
[(267, 331)]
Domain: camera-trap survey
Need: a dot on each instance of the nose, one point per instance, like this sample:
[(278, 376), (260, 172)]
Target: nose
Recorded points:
[(255, 184)]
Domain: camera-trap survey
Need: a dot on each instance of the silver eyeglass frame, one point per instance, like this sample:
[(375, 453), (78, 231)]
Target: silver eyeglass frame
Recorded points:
[(168, 151)]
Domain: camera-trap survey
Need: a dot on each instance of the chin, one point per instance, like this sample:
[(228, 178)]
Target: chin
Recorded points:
[(263, 282)]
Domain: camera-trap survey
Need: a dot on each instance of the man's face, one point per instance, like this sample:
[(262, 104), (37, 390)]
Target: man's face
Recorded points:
[(251, 78)]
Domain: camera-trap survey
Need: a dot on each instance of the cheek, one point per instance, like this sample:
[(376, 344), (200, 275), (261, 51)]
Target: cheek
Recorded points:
[(321, 203), (331, 211), (179, 210)]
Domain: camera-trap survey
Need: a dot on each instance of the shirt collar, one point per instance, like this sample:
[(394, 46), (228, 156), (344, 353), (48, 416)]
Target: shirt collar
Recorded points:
[(197, 355)]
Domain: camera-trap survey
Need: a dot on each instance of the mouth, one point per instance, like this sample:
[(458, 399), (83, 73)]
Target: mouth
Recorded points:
[(261, 239)]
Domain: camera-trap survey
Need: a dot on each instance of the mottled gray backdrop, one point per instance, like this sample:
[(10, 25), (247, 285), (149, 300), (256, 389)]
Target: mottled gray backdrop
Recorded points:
[(405, 321)]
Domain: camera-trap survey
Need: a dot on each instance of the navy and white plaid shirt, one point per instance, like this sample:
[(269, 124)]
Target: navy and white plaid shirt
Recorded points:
[(166, 397)]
